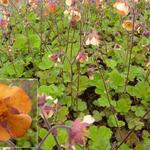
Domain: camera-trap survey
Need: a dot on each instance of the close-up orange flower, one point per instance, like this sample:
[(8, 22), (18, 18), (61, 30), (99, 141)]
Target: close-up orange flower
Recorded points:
[(4, 2), (15, 105)]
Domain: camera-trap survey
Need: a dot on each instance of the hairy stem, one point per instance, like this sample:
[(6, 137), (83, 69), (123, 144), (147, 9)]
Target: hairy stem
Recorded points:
[(50, 131), (11, 143), (49, 127), (131, 48), (107, 94)]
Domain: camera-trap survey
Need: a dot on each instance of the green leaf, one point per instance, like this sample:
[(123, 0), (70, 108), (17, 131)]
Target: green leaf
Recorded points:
[(100, 138), (114, 122), (81, 105), (117, 80), (111, 63), (97, 81), (140, 147), (141, 90), (16, 69), (139, 110), (62, 136), (136, 72), (62, 113), (104, 102), (134, 122), (46, 62), (124, 147), (97, 115), (20, 41), (123, 105), (34, 40), (84, 81), (52, 90)]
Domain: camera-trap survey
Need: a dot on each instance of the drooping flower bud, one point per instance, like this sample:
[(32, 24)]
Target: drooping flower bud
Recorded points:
[(77, 133), (3, 23), (82, 57), (55, 58), (93, 38), (146, 33)]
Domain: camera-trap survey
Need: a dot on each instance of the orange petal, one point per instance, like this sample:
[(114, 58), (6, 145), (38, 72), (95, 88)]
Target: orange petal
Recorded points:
[(3, 89), (16, 97), (4, 135), (18, 124)]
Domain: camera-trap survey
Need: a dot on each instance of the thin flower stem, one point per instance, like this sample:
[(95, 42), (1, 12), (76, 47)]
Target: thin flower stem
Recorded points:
[(107, 94), (41, 28), (78, 67), (49, 132), (11, 143), (78, 84), (71, 69), (132, 45), (57, 30), (83, 147), (72, 44), (67, 44), (27, 33), (49, 127), (127, 52)]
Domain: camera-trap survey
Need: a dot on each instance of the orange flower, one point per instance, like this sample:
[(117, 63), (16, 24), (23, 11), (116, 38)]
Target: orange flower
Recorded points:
[(4, 2), (14, 106), (51, 6), (128, 25), (122, 8)]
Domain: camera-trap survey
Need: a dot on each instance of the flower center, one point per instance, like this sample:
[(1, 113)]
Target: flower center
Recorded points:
[(3, 111)]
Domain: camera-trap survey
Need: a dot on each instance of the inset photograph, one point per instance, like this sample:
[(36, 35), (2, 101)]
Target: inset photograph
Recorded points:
[(18, 113)]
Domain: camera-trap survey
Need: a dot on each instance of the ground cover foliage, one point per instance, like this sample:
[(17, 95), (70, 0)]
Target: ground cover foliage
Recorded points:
[(92, 61)]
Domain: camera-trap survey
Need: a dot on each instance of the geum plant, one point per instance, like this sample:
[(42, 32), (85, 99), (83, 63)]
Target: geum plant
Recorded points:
[(92, 62)]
